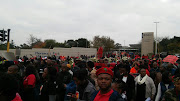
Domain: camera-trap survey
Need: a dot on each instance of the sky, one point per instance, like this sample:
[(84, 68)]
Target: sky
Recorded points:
[(121, 20)]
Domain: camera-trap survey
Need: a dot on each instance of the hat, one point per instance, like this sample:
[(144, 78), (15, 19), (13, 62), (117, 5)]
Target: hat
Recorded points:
[(104, 70), (68, 65)]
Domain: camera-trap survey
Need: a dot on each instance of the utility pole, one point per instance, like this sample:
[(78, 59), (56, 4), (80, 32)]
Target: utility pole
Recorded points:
[(156, 37), (8, 39)]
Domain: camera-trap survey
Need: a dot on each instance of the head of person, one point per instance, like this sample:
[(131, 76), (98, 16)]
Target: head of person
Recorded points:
[(13, 69), (36, 62), (42, 62), (163, 67), (49, 73), (64, 67), (101, 61), (30, 69), (8, 87), (119, 86), (170, 66), (177, 83), (155, 65), (123, 69), (90, 65), (142, 72), (166, 77), (80, 76), (49, 62), (106, 61), (104, 78), (136, 66)]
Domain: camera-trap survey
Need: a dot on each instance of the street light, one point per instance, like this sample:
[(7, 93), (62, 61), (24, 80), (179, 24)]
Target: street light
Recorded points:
[(156, 37)]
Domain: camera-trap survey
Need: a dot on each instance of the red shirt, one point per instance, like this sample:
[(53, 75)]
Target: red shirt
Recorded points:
[(133, 70), (103, 97), (17, 98), (29, 80)]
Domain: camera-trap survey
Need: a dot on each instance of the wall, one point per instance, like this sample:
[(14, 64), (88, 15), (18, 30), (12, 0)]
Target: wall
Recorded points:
[(74, 51)]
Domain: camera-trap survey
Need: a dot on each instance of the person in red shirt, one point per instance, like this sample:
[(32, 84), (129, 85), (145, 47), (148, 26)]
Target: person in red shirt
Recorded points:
[(106, 93), (29, 83), (135, 69)]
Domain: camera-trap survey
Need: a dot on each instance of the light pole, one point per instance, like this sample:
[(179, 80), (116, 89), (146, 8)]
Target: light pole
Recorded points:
[(156, 37)]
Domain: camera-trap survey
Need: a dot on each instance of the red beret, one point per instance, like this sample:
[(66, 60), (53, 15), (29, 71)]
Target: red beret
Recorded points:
[(104, 70)]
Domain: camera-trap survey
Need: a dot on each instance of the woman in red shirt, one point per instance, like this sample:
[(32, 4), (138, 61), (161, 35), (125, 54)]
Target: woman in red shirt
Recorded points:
[(29, 83)]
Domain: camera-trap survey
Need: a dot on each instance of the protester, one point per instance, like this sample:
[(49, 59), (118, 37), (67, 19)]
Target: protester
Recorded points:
[(48, 89), (8, 88), (13, 70), (128, 80), (164, 85), (135, 68), (87, 77), (154, 68), (106, 93), (153, 72), (84, 86), (171, 68), (29, 83), (63, 78), (174, 93), (120, 86), (144, 86)]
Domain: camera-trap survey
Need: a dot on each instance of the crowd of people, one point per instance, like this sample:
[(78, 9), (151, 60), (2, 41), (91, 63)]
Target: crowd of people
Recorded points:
[(77, 79)]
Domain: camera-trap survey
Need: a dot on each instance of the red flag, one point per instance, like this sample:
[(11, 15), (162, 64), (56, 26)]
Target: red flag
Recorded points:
[(100, 52)]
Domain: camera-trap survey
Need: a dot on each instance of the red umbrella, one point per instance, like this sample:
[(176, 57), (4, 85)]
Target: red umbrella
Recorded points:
[(171, 59)]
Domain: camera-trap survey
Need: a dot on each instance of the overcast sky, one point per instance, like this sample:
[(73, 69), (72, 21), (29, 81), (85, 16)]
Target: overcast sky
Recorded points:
[(72, 19)]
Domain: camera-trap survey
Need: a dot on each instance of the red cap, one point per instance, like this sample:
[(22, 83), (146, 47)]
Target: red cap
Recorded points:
[(16, 62), (104, 70)]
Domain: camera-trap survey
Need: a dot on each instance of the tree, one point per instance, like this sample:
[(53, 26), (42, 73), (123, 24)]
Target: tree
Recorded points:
[(3, 46), (12, 45), (50, 43), (163, 44), (82, 42), (106, 42), (60, 44), (71, 43), (171, 46), (117, 46), (33, 40), (25, 46), (39, 45)]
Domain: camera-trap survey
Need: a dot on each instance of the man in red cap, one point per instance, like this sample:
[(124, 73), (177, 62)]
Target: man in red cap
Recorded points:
[(106, 93)]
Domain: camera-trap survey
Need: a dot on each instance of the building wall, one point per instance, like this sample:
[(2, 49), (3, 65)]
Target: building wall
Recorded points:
[(147, 45), (74, 51)]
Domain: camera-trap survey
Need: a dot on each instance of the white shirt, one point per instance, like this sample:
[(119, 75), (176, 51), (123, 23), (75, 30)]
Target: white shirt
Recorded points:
[(124, 79)]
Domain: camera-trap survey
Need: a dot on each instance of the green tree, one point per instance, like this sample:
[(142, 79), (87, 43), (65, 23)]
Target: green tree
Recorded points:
[(82, 42), (12, 45), (106, 42), (50, 43), (71, 43), (59, 44), (170, 45), (3, 46), (24, 46), (32, 40)]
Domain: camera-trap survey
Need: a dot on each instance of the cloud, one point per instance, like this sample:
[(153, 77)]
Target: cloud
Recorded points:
[(72, 19)]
